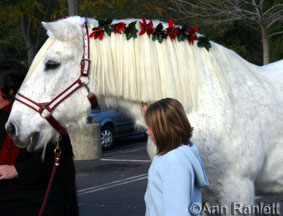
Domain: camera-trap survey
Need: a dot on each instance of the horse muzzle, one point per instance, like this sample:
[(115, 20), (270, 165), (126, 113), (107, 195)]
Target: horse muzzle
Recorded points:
[(29, 142), (11, 129)]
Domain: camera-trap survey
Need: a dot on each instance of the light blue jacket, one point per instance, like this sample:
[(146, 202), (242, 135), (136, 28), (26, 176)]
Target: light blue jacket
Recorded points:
[(174, 183)]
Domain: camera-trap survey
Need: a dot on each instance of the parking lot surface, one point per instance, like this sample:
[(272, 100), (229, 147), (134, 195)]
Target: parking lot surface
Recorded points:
[(115, 184)]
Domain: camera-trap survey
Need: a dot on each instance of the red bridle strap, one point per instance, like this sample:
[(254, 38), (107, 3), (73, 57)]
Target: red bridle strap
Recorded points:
[(46, 109), (85, 62), (63, 95), (41, 108)]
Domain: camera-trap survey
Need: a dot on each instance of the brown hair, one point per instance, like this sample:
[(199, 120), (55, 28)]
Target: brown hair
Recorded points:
[(12, 75), (169, 124)]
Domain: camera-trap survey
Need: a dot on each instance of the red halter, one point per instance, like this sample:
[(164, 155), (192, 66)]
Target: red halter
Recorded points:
[(45, 109)]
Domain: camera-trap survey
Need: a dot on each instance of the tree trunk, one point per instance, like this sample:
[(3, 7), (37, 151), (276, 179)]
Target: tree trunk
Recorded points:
[(31, 53), (72, 7), (265, 45), (27, 35)]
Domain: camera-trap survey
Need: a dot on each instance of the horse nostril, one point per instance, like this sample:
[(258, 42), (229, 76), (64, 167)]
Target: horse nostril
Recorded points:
[(11, 129)]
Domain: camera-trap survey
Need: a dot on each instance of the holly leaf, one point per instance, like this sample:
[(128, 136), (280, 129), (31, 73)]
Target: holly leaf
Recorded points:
[(159, 27), (160, 39), (102, 23), (154, 37), (108, 21), (204, 42), (128, 36), (108, 31), (208, 46), (134, 34), (132, 24), (131, 30)]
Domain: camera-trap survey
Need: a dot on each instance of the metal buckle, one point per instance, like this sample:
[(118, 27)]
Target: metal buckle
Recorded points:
[(44, 110), (84, 59), (57, 149), (57, 153), (84, 72), (84, 79)]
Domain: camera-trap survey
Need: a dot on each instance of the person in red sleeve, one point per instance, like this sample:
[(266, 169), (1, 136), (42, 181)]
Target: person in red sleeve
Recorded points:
[(24, 176)]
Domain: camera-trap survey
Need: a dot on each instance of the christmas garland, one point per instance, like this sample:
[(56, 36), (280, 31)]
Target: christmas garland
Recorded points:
[(158, 33)]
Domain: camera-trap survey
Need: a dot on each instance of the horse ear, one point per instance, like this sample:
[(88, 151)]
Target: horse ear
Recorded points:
[(63, 30)]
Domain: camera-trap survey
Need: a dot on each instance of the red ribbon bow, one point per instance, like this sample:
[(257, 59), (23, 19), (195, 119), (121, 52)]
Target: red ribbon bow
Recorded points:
[(119, 27), (172, 31), (146, 27), (192, 36), (97, 33)]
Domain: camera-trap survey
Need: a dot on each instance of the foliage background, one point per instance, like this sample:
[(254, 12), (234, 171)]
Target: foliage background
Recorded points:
[(16, 16)]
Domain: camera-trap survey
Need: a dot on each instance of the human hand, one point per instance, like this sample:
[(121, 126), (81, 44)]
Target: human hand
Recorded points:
[(8, 172), (144, 107)]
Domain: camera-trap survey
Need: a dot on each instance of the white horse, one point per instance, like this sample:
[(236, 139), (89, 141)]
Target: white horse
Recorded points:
[(235, 107)]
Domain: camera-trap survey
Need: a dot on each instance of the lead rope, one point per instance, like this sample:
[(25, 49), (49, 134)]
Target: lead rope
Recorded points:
[(57, 155)]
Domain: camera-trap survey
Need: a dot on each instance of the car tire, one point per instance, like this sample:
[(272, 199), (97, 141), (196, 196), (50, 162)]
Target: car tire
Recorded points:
[(106, 137)]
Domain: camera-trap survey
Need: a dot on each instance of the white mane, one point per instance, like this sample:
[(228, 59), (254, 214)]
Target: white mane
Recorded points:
[(144, 70)]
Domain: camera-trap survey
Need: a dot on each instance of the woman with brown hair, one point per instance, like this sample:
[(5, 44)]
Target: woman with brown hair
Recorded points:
[(176, 174)]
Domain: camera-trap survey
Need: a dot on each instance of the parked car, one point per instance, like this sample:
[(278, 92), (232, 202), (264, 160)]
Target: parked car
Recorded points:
[(115, 124)]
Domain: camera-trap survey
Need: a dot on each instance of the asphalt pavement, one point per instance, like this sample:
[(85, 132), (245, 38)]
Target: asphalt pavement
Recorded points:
[(115, 184)]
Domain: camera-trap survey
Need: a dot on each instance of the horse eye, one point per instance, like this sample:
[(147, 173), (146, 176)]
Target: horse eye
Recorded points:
[(51, 65)]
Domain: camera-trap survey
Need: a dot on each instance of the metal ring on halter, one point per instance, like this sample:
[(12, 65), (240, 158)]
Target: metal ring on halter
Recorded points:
[(44, 110), (57, 148), (83, 79)]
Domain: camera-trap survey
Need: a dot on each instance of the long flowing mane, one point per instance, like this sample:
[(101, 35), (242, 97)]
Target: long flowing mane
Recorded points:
[(144, 70)]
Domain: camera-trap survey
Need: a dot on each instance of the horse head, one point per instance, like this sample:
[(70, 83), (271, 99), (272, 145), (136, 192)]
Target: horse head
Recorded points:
[(55, 67)]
